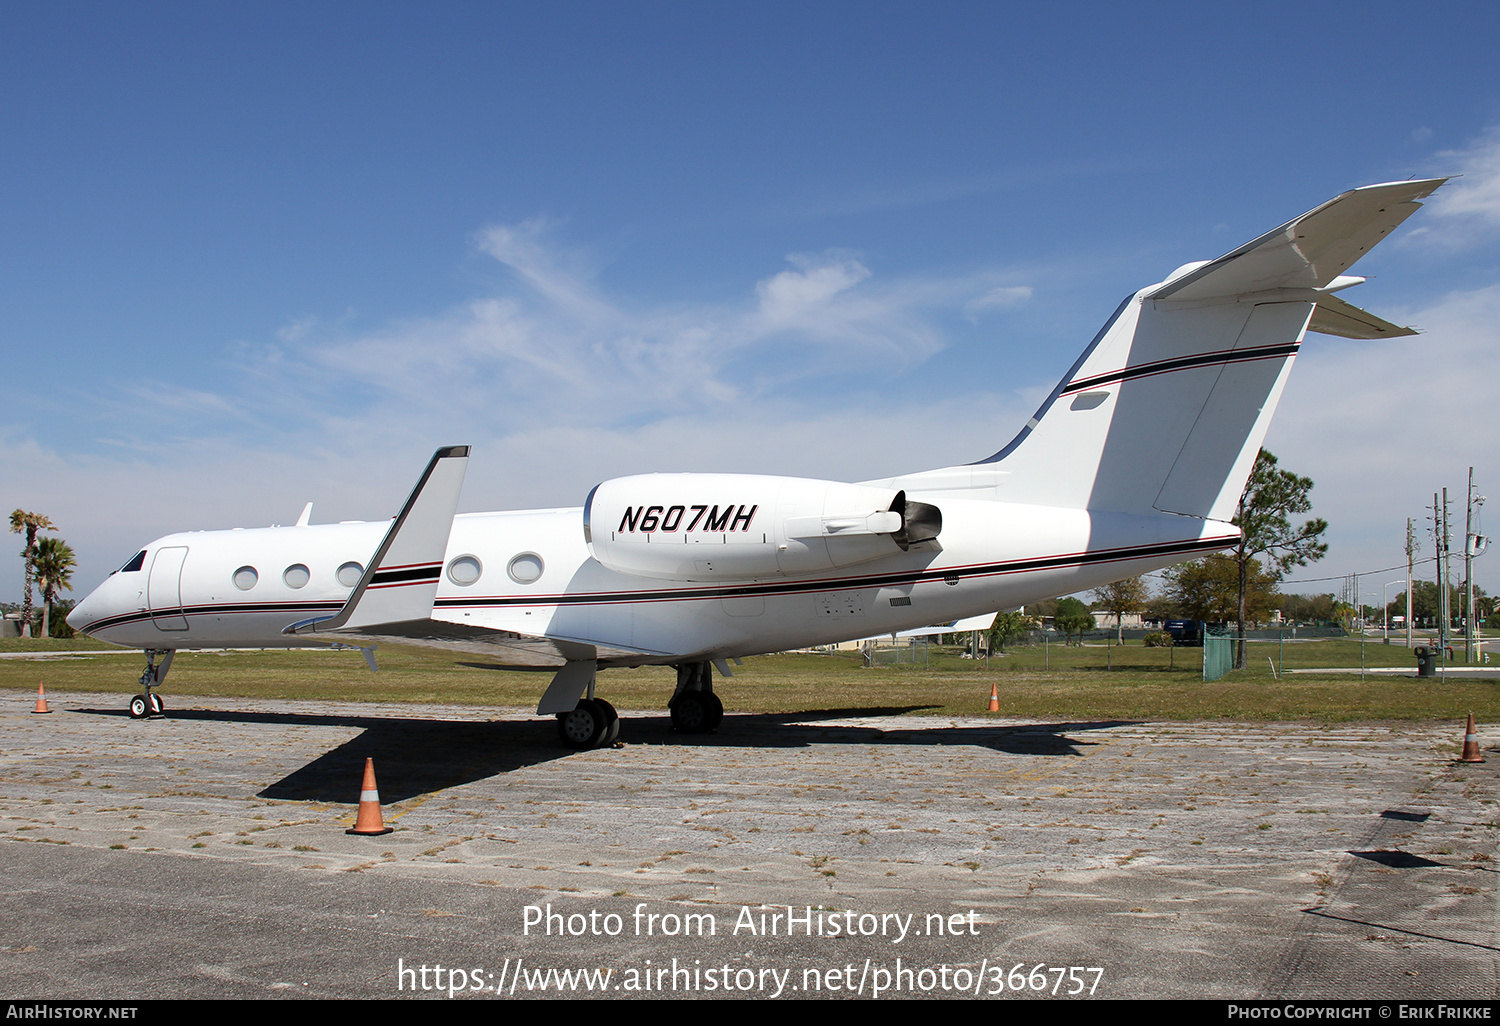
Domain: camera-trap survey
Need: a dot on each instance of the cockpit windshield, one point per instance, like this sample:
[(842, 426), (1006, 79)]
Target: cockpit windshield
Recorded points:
[(136, 562)]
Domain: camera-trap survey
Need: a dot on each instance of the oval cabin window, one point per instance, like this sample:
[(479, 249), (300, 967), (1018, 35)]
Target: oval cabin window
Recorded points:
[(525, 568), (464, 570)]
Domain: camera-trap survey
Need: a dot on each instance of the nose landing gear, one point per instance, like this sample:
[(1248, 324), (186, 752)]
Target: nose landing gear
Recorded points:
[(148, 704)]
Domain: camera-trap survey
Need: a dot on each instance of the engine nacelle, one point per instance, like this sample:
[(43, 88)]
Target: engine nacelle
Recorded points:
[(718, 527)]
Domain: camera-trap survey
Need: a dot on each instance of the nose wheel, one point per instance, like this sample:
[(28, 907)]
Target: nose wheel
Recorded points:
[(147, 705)]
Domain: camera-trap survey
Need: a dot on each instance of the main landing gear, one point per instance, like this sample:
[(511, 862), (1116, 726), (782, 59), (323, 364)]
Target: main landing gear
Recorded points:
[(695, 708), (148, 703), (593, 724), (583, 721)]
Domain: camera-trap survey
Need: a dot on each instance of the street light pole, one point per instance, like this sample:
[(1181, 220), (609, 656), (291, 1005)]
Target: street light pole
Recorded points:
[(1385, 599)]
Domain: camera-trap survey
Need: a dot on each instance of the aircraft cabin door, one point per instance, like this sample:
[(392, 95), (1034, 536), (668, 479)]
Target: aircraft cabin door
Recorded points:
[(164, 589)]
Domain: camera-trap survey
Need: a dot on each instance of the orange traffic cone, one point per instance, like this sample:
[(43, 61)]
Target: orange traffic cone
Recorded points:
[(1471, 744), (369, 821), (41, 700), (994, 697)]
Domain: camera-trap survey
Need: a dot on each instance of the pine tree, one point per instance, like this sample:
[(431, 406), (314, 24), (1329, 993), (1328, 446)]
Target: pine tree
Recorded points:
[(1270, 499)]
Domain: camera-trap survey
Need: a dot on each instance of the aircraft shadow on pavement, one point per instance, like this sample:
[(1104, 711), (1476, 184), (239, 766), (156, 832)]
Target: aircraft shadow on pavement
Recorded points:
[(415, 756)]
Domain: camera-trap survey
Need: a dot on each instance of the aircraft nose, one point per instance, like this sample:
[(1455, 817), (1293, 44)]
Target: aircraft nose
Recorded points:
[(82, 614)]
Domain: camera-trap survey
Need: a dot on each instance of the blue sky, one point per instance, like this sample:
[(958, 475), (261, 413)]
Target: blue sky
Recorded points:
[(259, 254)]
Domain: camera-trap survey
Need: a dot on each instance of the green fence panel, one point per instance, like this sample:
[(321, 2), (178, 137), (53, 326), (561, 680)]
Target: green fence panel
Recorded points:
[(1218, 655)]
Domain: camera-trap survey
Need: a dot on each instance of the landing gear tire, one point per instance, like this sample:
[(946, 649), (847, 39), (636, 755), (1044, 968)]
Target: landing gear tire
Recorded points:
[(715, 711), (156, 705), (612, 723), (138, 707), (697, 712), (584, 726)]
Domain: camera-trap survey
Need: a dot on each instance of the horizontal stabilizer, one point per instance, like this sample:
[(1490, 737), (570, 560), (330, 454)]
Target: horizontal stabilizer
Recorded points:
[(982, 622), (1307, 252), (401, 579), (1336, 317)]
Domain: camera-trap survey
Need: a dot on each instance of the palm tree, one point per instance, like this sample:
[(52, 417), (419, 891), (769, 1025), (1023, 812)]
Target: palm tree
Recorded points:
[(53, 562), (29, 524)]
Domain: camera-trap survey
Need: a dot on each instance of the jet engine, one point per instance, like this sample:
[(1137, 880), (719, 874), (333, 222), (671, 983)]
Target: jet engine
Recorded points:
[(739, 527)]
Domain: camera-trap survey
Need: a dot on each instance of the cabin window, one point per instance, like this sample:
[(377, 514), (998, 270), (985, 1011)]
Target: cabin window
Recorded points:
[(525, 568), (296, 576), (349, 574), (245, 578), (464, 570)]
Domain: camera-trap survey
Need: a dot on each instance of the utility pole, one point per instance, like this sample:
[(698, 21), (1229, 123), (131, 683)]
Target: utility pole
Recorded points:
[(1474, 545), (1469, 570), (1410, 550), (1359, 607), (1360, 599), (1445, 569), (1439, 549)]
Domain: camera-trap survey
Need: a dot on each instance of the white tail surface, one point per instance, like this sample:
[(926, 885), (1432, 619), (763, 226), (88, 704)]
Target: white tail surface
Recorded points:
[(1168, 406)]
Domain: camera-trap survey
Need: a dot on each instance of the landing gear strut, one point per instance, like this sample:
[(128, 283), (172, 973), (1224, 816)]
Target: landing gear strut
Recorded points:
[(695, 708), (148, 703), (583, 721)]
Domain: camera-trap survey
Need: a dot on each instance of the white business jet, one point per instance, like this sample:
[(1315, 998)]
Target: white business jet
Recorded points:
[(1135, 461)]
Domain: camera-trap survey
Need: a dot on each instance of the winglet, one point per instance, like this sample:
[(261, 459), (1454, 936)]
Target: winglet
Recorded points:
[(401, 579)]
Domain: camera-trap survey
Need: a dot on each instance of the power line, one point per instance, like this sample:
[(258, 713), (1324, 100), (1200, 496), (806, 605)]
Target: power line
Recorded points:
[(1161, 576), (1340, 577)]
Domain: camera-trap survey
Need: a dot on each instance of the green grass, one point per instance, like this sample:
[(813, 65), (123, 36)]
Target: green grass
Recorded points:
[(1060, 683), (79, 643)]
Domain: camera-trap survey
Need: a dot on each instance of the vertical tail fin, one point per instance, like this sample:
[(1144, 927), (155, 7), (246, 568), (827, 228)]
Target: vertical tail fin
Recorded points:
[(1169, 404)]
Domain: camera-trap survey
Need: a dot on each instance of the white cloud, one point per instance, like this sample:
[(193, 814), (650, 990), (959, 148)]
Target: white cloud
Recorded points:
[(556, 384), (998, 299), (523, 248), (296, 328), (1471, 203), (795, 297), (561, 349)]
